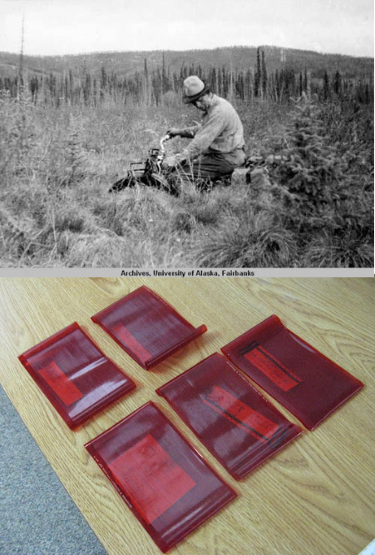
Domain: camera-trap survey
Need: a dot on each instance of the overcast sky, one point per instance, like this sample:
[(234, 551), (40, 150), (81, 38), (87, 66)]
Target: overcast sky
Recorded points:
[(79, 26)]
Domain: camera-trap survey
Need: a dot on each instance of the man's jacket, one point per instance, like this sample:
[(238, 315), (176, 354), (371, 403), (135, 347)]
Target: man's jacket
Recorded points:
[(221, 131)]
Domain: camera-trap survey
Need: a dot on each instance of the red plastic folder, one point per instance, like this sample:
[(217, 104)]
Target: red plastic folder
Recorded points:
[(165, 482), (147, 327), (74, 374), (298, 376), (231, 418)]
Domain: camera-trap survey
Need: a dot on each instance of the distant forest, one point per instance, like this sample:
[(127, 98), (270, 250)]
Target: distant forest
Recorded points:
[(156, 77)]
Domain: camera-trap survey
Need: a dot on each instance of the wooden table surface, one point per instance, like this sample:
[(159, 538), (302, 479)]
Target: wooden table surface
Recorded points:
[(315, 497)]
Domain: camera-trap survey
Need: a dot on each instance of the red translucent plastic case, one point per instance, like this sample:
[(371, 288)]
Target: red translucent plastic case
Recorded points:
[(74, 374), (164, 481), (298, 376), (147, 327), (231, 418)]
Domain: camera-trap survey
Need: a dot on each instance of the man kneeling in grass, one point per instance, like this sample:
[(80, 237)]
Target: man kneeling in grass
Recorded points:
[(217, 145)]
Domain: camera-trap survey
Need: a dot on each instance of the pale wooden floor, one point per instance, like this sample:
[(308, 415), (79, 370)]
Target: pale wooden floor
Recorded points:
[(316, 497)]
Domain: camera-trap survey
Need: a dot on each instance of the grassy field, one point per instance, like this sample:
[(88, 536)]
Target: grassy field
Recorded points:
[(310, 203)]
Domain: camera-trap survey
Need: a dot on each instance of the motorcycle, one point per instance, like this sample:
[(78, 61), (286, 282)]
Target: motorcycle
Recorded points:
[(152, 174), (149, 173)]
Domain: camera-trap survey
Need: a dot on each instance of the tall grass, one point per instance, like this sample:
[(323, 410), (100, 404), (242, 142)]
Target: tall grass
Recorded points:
[(309, 203)]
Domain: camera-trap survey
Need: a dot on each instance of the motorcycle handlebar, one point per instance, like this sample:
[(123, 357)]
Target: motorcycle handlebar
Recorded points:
[(163, 139)]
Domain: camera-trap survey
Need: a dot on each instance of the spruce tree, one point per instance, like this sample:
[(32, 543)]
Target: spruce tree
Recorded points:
[(264, 76), (257, 80)]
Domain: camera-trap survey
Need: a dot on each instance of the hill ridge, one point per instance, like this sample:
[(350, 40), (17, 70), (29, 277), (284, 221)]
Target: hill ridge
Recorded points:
[(238, 57)]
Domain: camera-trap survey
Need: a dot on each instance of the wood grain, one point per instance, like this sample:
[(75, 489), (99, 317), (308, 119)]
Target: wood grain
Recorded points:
[(315, 497)]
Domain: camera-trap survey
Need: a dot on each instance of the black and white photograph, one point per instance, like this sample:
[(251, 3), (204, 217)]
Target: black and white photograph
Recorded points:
[(176, 134)]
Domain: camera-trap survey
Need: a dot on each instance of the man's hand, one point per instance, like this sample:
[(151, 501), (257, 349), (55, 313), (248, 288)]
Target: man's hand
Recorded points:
[(170, 162), (173, 132)]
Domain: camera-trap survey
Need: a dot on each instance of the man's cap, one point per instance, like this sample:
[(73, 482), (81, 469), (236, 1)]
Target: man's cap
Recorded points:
[(194, 88)]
